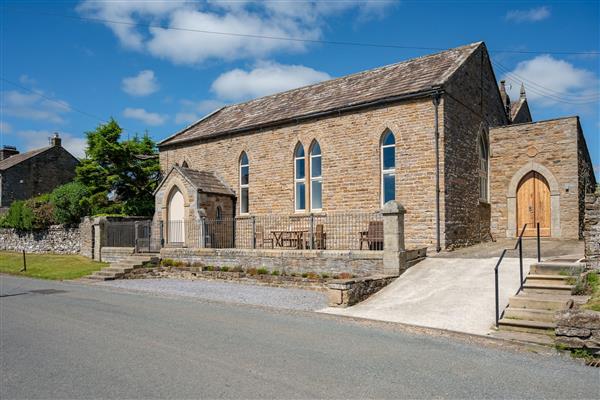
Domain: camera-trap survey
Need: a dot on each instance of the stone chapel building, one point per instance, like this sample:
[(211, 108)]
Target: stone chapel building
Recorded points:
[(436, 133)]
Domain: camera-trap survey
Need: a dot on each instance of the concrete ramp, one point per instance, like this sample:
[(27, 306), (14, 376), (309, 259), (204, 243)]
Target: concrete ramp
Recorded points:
[(447, 293)]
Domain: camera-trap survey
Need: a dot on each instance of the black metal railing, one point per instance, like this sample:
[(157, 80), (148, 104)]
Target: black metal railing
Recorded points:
[(331, 231), (519, 246)]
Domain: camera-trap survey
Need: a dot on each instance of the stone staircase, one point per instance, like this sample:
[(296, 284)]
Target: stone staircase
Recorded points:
[(117, 269), (530, 315)]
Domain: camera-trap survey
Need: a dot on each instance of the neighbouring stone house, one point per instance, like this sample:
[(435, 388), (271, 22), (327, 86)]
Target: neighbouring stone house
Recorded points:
[(25, 175), (435, 133)]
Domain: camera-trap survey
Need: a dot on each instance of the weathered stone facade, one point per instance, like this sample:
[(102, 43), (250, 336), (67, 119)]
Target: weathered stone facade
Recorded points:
[(35, 173), (591, 232), (555, 149), (57, 239), (351, 167)]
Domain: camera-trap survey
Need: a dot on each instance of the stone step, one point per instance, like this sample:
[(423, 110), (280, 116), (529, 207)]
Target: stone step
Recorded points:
[(526, 337), (529, 314), (548, 279), (547, 289), (540, 302), (556, 268), (524, 325), (96, 277), (118, 270)]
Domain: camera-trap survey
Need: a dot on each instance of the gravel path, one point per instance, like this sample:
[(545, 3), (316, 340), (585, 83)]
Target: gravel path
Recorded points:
[(230, 292)]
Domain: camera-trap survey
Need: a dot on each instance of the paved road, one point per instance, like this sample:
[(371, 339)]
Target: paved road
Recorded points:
[(97, 342)]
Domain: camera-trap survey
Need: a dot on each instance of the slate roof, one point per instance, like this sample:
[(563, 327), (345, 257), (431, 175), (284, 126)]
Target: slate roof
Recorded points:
[(203, 181), (515, 107), (408, 77), (19, 158)]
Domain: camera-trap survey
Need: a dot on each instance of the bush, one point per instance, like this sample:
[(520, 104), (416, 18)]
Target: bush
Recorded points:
[(225, 269), (19, 216), (70, 203), (251, 271), (43, 211), (275, 273), (262, 271)]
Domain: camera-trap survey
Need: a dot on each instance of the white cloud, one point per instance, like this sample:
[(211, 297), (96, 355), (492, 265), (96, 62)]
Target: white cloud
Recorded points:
[(273, 18), (142, 84), (531, 15), (192, 111), (266, 78), (36, 139), (149, 118), (32, 106), (551, 81)]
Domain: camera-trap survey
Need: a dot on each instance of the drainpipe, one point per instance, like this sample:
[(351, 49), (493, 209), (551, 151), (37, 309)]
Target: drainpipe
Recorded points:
[(436, 103)]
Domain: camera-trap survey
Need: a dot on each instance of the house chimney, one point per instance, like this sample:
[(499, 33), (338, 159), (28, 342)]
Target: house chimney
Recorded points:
[(7, 151), (55, 140)]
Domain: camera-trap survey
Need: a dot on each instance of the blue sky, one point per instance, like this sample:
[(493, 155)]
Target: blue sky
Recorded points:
[(82, 71)]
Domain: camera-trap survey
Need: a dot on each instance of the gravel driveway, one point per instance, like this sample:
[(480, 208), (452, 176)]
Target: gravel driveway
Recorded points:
[(230, 292)]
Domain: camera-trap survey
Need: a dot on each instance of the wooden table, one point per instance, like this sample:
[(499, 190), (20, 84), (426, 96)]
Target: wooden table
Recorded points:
[(290, 238)]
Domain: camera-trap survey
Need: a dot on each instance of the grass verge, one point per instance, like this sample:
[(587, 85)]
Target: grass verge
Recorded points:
[(593, 282), (48, 266)]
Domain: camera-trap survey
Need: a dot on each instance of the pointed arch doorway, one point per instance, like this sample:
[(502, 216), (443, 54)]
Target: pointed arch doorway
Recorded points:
[(175, 217), (533, 205)]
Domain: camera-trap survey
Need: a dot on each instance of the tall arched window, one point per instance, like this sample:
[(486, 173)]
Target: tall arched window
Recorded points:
[(244, 182), (299, 178), (483, 168), (316, 178), (388, 167)]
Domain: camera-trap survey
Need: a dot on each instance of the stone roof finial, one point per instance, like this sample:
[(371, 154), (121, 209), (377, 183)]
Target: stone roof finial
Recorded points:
[(523, 95)]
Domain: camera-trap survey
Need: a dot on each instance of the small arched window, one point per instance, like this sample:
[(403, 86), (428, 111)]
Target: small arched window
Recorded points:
[(388, 167), (244, 183), (299, 178), (219, 215), (316, 178), (483, 150)]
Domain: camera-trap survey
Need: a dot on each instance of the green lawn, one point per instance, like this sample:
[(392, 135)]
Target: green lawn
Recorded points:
[(48, 266)]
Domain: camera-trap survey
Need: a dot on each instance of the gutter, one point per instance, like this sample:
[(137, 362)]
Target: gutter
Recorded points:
[(380, 102)]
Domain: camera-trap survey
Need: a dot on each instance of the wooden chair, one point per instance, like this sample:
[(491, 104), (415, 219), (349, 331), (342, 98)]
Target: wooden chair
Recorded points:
[(261, 240), (320, 237), (373, 236)]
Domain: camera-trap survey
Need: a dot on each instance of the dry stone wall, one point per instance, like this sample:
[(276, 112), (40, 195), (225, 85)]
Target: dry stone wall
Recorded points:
[(591, 232), (56, 239)]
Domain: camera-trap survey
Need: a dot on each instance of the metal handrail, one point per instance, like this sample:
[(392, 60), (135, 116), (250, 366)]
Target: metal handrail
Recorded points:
[(519, 245)]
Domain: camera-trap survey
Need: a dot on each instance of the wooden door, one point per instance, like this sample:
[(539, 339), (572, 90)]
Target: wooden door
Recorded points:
[(533, 205)]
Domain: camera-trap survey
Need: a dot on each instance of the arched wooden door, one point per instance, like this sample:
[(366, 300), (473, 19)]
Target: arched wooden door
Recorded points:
[(176, 212), (533, 205)]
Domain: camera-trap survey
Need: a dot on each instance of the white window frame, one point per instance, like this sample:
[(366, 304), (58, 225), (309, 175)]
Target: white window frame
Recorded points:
[(244, 185), (483, 168), (316, 178), (299, 180), (389, 171)]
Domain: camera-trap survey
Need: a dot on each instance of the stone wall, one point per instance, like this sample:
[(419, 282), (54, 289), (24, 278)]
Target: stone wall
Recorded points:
[(350, 146), (591, 232), (548, 147), (347, 292), (56, 239), (472, 105), (37, 175), (587, 178), (578, 329), (360, 263)]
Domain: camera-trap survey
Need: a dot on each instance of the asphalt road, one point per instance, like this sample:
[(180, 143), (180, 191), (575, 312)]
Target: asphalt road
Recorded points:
[(98, 342)]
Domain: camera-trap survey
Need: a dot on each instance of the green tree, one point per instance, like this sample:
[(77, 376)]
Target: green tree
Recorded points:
[(70, 202), (120, 175)]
